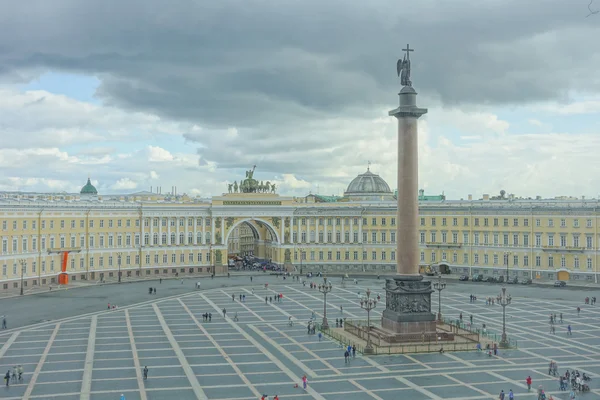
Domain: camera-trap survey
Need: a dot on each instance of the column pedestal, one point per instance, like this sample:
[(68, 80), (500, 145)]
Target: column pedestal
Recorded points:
[(408, 305)]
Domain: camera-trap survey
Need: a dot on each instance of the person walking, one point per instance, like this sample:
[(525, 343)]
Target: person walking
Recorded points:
[(528, 381), (569, 331), (224, 313), (122, 396), (304, 382), (20, 372), (511, 395), (145, 372), (353, 351), (501, 396), (320, 336), (7, 378), (4, 322), (346, 356)]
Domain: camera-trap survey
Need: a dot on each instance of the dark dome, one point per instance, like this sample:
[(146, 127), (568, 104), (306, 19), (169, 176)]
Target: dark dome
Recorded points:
[(88, 188), (368, 183)]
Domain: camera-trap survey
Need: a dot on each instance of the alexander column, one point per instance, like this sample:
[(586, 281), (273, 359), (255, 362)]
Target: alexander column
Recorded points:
[(408, 297)]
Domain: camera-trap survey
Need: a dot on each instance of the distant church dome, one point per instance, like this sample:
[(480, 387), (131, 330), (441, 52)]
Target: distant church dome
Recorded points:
[(368, 187), (89, 189), (368, 183)]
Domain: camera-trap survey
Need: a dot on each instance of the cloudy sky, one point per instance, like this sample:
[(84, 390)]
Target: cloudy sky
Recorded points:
[(192, 93)]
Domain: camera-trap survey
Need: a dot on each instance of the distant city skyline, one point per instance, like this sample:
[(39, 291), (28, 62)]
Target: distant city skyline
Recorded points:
[(196, 98)]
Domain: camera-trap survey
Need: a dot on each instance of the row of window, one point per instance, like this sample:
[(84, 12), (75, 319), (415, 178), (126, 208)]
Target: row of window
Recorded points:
[(484, 239), (110, 242), (346, 221), (550, 260), (109, 261), (376, 237), (110, 223), (338, 255), (505, 222)]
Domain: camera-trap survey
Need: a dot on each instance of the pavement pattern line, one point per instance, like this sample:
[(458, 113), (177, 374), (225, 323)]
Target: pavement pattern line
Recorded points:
[(136, 360), (78, 317), (86, 382), (189, 372), (307, 350), (452, 356), (221, 351), (418, 388), (286, 353), (38, 368), (483, 392), (365, 390), (275, 360), (8, 343)]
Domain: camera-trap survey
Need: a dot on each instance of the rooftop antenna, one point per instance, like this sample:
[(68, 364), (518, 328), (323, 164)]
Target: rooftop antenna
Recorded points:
[(368, 165)]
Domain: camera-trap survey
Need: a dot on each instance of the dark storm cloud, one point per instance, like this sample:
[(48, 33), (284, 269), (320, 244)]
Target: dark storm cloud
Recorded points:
[(282, 72), (231, 62)]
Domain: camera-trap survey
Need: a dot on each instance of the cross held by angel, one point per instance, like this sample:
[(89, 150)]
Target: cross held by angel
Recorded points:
[(403, 67)]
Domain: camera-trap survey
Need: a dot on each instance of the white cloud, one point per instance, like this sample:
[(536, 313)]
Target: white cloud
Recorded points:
[(535, 122), (154, 175), (158, 154), (43, 119), (590, 106), (124, 184)]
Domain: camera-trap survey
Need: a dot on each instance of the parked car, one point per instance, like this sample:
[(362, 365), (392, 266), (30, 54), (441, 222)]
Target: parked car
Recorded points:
[(477, 278), (560, 284), (463, 278), (500, 279), (513, 281), (490, 279), (526, 282)]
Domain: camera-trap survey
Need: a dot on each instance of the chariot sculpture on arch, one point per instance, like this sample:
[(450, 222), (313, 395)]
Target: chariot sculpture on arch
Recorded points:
[(251, 185)]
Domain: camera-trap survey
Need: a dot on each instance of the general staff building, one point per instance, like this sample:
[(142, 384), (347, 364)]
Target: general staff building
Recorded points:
[(52, 239)]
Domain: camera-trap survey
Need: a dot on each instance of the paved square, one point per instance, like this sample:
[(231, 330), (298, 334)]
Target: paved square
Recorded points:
[(102, 355)]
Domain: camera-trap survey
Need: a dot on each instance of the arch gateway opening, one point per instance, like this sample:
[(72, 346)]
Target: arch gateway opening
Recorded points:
[(252, 244)]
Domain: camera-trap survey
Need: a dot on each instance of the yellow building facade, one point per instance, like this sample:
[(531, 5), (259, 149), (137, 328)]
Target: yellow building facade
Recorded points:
[(146, 234)]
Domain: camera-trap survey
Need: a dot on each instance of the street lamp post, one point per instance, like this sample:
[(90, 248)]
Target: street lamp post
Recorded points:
[(325, 288), (506, 255), (504, 301), (23, 263), (439, 286), (119, 254), (367, 303)]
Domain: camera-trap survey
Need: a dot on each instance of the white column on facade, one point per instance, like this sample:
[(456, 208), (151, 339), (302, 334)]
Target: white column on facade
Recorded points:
[(195, 227), (212, 230), (325, 230), (292, 230), (281, 227), (333, 230), (186, 230), (360, 235), (351, 230), (299, 237), (317, 230), (222, 230), (203, 230), (343, 234), (151, 231), (160, 231), (169, 220)]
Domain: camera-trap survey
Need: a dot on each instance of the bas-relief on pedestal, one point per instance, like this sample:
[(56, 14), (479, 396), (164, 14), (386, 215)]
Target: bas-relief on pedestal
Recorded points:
[(408, 296), (408, 305)]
